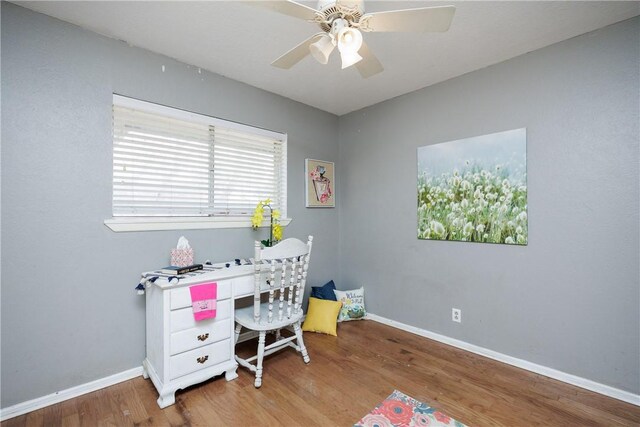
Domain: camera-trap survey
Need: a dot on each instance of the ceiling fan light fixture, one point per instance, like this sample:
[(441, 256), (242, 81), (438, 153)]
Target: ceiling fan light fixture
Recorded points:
[(350, 58), (349, 43), (349, 40), (322, 48)]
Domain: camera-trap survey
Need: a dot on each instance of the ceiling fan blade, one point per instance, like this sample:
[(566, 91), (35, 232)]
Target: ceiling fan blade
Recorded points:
[(287, 7), (419, 20), (296, 54), (369, 65)]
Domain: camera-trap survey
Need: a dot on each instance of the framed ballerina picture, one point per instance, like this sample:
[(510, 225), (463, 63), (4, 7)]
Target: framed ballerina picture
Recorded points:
[(319, 184)]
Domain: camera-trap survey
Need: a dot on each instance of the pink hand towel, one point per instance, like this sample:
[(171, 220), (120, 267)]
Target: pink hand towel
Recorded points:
[(203, 299)]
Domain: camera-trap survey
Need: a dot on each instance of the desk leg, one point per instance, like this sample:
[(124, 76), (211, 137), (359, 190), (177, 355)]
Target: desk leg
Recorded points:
[(167, 398), (231, 374)]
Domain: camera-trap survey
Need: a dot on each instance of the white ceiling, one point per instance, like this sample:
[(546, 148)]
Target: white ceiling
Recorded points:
[(239, 41)]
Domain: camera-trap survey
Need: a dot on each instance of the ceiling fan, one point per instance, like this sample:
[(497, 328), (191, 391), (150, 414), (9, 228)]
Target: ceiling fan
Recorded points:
[(342, 23)]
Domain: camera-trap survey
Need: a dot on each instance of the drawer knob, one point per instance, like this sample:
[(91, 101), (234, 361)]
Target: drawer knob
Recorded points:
[(202, 359), (203, 337)]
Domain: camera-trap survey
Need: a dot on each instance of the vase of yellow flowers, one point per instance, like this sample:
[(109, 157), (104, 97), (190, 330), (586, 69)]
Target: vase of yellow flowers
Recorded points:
[(275, 229)]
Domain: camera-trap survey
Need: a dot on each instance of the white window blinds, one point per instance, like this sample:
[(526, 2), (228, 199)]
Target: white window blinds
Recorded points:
[(169, 162)]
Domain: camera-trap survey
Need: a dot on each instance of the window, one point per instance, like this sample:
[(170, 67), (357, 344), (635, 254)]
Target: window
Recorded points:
[(173, 163)]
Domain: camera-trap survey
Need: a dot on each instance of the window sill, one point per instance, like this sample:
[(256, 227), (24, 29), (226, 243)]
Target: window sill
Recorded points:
[(124, 224)]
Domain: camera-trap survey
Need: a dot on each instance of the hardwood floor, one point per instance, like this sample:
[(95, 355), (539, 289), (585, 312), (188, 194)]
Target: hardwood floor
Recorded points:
[(348, 376)]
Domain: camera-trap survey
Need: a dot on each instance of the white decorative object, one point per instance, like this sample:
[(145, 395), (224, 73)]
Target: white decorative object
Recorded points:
[(288, 264)]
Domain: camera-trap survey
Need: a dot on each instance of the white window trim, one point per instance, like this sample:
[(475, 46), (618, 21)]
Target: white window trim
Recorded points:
[(124, 101), (153, 223), (125, 224)]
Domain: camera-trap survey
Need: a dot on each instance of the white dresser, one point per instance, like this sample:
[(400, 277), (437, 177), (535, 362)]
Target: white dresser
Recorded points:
[(182, 352)]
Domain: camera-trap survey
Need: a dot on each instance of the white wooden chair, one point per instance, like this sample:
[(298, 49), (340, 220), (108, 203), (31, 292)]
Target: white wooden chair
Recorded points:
[(287, 264)]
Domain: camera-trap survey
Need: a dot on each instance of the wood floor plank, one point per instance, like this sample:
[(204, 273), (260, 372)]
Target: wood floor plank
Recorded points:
[(147, 395), (35, 418), (69, 416), (347, 377), (87, 409)]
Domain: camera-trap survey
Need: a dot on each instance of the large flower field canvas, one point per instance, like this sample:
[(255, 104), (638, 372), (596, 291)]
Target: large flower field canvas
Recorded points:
[(474, 189)]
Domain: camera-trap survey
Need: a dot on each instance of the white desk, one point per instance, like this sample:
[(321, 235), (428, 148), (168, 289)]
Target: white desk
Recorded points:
[(182, 352)]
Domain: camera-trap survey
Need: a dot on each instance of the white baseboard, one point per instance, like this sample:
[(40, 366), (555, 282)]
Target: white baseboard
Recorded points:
[(70, 393), (529, 366)]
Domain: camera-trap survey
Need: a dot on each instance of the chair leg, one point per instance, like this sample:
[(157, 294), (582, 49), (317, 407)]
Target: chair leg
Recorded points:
[(300, 341), (261, 340), (238, 329), (278, 336)]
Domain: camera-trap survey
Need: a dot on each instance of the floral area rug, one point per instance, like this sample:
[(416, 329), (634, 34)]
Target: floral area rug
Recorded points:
[(401, 410)]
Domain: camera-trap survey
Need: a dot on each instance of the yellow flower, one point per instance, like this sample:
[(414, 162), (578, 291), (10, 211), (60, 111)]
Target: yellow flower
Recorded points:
[(256, 220), (277, 232), (258, 217)]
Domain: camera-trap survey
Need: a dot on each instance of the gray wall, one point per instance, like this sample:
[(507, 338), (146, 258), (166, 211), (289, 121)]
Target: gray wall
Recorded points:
[(70, 314), (569, 300)]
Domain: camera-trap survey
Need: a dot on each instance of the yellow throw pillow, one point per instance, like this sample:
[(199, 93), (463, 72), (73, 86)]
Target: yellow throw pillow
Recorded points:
[(322, 316)]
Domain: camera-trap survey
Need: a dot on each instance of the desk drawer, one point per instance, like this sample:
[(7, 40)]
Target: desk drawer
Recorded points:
[(183, 319), (181, 297), (244, 286), (200, 358), (208, 332)]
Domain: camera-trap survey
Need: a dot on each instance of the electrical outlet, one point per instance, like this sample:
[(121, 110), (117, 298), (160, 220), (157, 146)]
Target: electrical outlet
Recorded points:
[(456, 315)]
